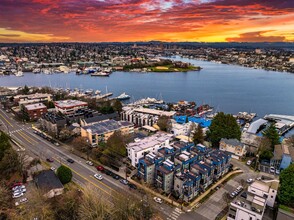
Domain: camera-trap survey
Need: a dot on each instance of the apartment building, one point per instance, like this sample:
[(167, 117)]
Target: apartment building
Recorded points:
[(101, 131), (233, 146), (35, 111), (32, 98), (68, 107)]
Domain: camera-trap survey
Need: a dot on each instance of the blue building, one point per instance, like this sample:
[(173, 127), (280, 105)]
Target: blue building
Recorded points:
[(283, 157)]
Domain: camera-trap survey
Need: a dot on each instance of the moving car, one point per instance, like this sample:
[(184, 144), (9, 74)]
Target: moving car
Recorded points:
[(158, 200), (89, 163), (132, 186), (53, 168), (249, 162), (70, 160), (98, 176)]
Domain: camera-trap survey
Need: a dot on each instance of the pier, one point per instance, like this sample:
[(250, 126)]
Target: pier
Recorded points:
[(283, 122)]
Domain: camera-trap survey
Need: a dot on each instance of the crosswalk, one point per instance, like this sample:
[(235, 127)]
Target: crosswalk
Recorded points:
[(17, 130), (175, 214)]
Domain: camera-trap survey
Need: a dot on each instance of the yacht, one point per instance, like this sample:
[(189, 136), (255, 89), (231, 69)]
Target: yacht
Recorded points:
[(19, 73), (100, 74), (123, 96), (37, 70)]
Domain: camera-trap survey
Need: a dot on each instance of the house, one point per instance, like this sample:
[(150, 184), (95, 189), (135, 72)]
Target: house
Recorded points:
[(283, 156), (53, 123), (233, 146), (49, 183), (101, 131)]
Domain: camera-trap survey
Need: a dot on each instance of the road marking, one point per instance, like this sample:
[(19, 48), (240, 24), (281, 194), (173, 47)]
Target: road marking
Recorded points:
[(24, 137), (85, 178), (6, 120), (28, 136), (104, 184), (175, 218)]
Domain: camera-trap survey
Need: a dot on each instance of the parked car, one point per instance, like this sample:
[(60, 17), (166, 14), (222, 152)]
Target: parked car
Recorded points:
[(70, 160), (132, 186), (53, 168), (249, 180), (108, 172), (272, 169), (89, 163), (17, 195), (56, 144), (114, 176), (20, 190), (98, 176), (18, 187), (249, 162), (50, 160), (100, 168), (124, 181), (277, 172), (16, 184), (158, 200)]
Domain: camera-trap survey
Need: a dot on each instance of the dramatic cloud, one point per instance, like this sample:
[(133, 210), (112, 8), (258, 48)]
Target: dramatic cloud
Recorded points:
[(10, 35), (129, 20), (256, 37)]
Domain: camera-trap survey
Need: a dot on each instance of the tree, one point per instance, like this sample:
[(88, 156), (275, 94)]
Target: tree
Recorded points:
[(223, 126), (80, 144), (9, 163), (25, 90), (4, 144), (64, 134), (198, 136), (272, 134), (116, 144), (286, 191), (64, 174), (117, 106), (265, 155), (5, 198), (163, 123)]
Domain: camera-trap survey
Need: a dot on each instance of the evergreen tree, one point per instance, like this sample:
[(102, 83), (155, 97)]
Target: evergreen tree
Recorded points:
[(272, 134), (64, 174), (223, 126), (198, 136), (286, 191)]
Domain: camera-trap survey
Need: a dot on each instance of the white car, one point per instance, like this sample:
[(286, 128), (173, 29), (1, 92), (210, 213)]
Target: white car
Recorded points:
[(89, 163), (98, 176), (52, 168), (249, 180), (17, 195), (249, 162), (158, 200), (272, 169), (18, 187), (277, 172)]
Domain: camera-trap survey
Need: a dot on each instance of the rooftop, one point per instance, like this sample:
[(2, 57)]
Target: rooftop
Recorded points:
[(253, 128), (155, 112), (48, 180), (35, 106), (233, 142), (69, 103), (106, 126)]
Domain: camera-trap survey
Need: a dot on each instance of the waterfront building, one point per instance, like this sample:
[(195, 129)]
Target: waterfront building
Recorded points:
[(68, 107), (151, 144), (233, 146), (143, 116), (35, 111), (101, 131), (32, 98)]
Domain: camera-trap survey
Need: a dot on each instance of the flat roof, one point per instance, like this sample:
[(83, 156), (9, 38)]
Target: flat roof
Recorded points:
[(155, 112), (261, 186), (69, 103), (147, 127), (35, 106), (106, 126)]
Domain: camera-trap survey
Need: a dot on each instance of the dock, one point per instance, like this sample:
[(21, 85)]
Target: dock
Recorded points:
[(284, 123), (104, 95)]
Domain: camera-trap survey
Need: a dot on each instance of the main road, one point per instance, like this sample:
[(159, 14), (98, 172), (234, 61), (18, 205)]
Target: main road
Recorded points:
[(82, 173)]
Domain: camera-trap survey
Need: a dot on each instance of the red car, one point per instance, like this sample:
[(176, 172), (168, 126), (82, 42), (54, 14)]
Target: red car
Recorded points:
[(16, 184), (100, 168)]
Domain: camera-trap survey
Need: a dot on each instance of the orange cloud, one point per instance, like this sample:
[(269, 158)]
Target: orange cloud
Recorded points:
[(256, 37)]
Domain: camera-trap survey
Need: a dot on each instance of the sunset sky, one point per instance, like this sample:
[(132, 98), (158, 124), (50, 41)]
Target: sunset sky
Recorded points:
[(144, 20)]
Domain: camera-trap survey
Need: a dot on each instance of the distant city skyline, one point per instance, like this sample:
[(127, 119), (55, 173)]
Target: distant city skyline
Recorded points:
[(145, 20)]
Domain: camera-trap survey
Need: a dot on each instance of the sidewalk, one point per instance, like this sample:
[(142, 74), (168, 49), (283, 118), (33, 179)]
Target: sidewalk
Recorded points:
[(211, 188)]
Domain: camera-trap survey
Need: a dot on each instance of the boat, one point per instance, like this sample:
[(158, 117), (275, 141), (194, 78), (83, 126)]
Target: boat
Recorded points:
[(123, 96), (19, 73), (37, 70), (100, 74)]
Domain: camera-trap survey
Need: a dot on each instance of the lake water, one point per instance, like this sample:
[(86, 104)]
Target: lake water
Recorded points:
[(228, 88)]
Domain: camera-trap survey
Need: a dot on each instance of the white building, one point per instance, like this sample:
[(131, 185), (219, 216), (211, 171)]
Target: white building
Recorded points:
[(149, 144), (251, 205), (67, 107)]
